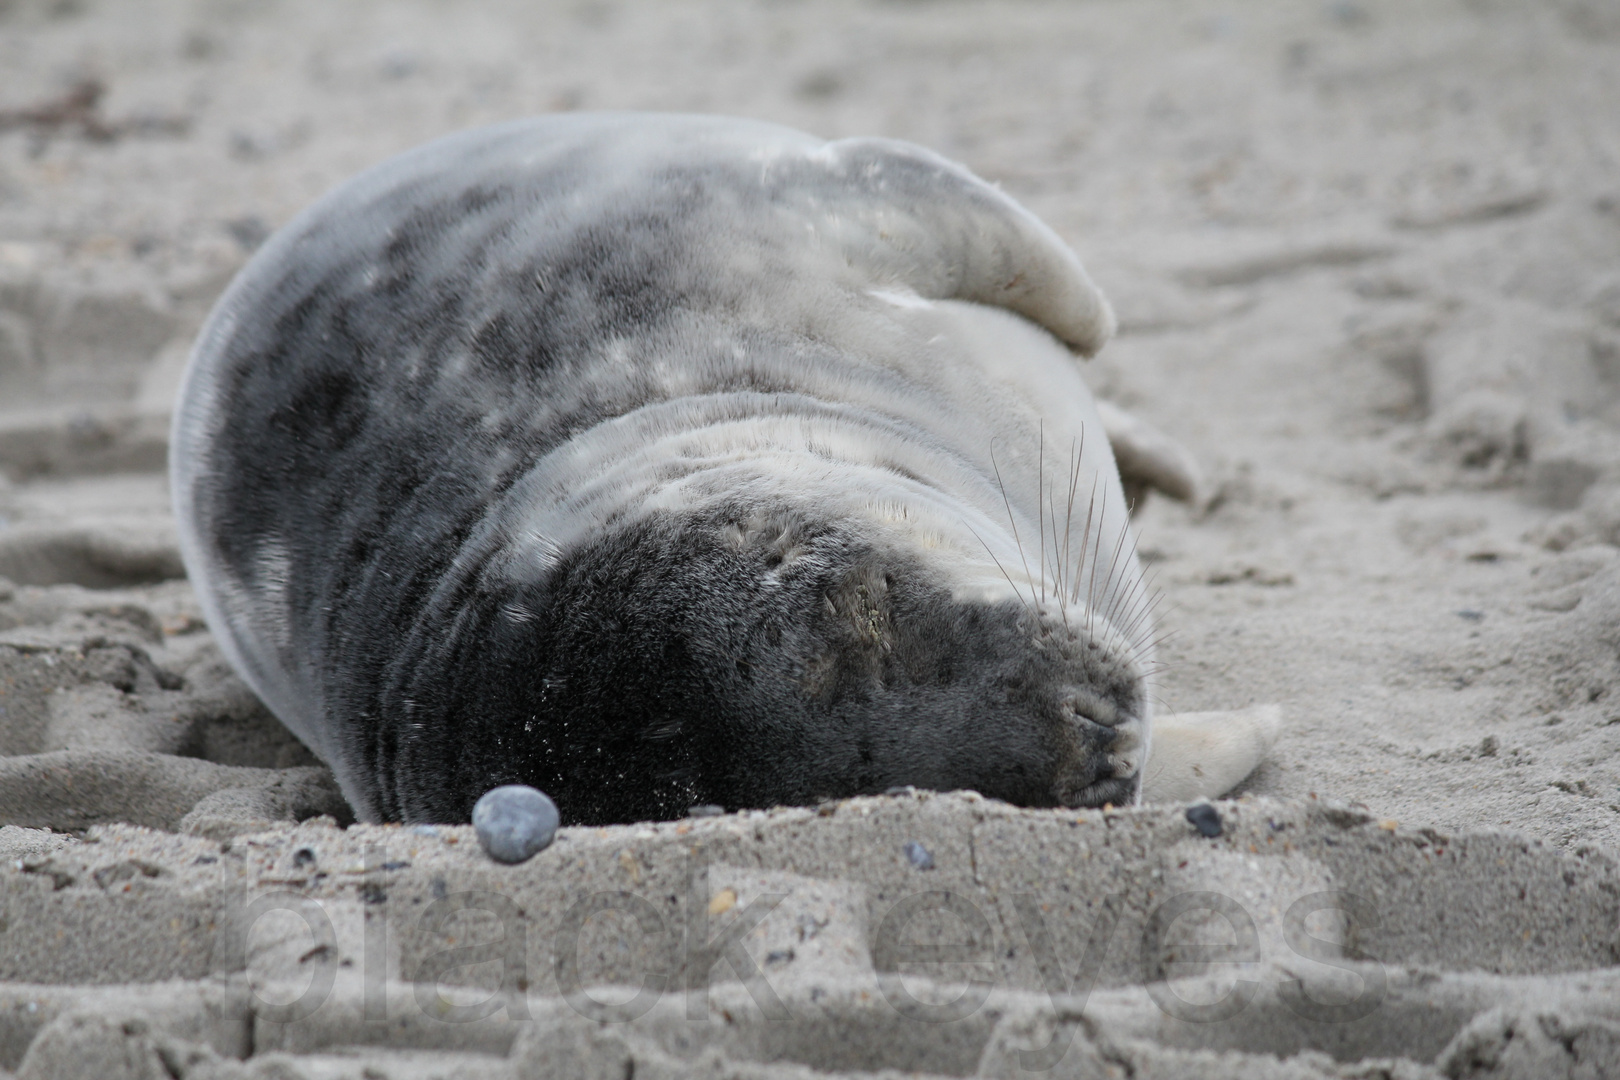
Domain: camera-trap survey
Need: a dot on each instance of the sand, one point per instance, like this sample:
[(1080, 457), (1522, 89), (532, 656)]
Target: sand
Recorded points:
[(1367, 262)]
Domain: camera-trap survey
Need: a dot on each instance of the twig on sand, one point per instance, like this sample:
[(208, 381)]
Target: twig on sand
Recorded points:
[(79, 107)]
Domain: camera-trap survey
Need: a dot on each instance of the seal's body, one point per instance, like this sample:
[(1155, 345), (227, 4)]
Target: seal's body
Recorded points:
[(655, 461)]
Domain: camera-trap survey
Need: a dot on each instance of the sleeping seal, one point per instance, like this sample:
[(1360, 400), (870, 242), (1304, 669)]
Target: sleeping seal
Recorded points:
[(661, 460)]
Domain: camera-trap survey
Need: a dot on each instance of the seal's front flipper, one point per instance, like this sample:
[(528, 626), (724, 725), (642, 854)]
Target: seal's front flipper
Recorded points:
[(1150, 460), (1203, 755)]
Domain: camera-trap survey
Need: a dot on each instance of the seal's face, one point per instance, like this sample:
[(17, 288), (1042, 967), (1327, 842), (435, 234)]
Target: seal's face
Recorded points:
[(748, 658)]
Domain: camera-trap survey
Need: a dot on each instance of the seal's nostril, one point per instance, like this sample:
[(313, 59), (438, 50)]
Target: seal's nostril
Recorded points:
[(1084, 705), (1103, 789)]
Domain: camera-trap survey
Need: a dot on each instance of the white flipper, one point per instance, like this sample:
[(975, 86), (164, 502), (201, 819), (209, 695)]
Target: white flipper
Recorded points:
[(1149, 459), (1203, 755)]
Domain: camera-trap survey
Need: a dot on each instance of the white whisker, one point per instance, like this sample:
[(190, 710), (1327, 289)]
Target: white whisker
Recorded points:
[(1010, 520), (997, 561), (1040, 491)]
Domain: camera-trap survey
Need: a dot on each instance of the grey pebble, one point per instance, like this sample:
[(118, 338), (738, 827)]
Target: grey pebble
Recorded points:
[(514, 822), (919, 855), (1205, 818), (705, 810)]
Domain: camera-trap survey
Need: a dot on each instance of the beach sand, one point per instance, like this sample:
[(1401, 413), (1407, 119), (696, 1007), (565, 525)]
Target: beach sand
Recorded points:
[(1366, 257)]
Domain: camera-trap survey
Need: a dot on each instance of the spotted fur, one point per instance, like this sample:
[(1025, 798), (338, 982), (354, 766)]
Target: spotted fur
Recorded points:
[(658, 460)]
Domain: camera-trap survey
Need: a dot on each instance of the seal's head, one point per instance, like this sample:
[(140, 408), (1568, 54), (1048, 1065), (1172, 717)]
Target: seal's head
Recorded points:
[(750, 656)]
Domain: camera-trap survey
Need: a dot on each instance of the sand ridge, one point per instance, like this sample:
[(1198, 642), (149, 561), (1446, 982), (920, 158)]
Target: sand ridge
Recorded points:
[(1366, 259)]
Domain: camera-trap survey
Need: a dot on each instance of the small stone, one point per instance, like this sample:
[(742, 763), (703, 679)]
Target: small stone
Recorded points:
[(1205, 818), (918, 855), (514, 822), (705, 810)]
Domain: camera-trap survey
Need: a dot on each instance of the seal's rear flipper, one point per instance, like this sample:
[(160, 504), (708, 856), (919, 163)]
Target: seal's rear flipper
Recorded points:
[(1150, 460), (1203, 755)]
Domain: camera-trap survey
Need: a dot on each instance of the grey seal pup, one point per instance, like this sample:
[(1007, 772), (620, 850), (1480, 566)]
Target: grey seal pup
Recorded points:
[(657, 460)]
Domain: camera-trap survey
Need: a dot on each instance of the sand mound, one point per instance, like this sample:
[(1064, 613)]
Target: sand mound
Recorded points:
[(772, 943)]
